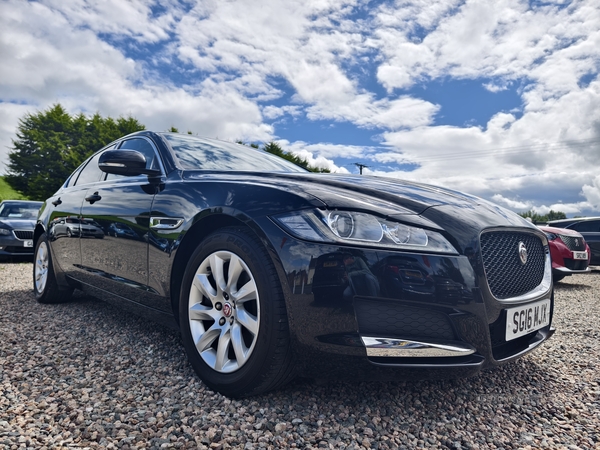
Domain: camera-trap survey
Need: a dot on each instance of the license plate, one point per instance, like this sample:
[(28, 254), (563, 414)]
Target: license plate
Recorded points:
[(527, 318), (28, 243), (580, 255)]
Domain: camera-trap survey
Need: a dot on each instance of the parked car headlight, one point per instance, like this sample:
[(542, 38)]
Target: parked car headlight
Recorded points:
[(4, 232), (352, 227)]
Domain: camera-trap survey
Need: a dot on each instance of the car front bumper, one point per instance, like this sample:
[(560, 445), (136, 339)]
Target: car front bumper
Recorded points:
[(12, 246), (419, 315)]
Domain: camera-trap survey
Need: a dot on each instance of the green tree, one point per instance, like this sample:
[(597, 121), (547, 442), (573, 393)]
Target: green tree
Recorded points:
[(538, 218), (275, 149), (51, 144), (555, 215)]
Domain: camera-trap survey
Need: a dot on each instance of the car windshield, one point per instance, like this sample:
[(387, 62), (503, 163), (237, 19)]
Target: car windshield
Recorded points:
[(207, 154), (23, 210)]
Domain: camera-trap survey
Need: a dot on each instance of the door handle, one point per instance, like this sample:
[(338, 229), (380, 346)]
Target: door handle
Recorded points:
[(57, 202), (93, 198)]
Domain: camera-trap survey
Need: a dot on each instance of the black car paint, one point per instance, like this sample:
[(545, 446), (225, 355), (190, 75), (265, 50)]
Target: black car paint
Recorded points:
[(324, 328)]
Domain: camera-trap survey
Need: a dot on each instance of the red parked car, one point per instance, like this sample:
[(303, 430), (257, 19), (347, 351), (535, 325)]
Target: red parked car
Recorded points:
[(569, 252)]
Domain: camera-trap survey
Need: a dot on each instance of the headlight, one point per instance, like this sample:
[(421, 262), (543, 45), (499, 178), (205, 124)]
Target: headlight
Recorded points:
[(551, 236), (351, 227), (4, 232)]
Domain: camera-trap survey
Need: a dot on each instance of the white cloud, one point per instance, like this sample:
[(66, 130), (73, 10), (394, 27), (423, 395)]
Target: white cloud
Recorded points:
[(238, 70), (133, 19), (9, 116), (504, 39), (512, 204), (274, 112), (324, 153), (55, 57), (591, 192)]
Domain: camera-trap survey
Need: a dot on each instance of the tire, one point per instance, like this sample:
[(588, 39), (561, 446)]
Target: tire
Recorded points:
[(69, 233), (239, 345), (45, 286)]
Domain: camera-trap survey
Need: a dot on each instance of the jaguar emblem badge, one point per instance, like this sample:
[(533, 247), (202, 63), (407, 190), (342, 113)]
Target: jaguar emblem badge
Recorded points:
[(522, 253)]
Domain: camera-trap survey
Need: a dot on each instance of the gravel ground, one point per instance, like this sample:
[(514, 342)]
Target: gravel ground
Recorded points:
[(86, 375)]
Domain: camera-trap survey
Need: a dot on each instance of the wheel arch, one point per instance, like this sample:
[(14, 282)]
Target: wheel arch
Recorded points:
[(37, 232), (202, 228)]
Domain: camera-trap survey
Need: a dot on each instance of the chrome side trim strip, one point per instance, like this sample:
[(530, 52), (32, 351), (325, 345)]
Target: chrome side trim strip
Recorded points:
[(165, 223), (392, 347)]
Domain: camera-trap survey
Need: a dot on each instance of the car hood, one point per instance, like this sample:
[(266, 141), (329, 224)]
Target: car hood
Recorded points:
[(563, 231), (18, 224), (460, 215), (388, 196)]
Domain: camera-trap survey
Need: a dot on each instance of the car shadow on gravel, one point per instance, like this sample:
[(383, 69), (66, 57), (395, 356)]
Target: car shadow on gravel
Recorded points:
[(114, 340), (566, 286), (523, 379)]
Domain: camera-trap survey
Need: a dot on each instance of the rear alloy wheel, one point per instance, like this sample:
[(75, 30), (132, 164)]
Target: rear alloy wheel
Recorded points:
[(45, 286), (233, 316)]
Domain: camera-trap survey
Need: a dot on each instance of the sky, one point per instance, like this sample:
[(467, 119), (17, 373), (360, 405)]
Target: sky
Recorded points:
[(500, 99)]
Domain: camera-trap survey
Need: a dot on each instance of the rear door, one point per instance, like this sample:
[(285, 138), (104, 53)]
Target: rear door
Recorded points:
[(64, 223)]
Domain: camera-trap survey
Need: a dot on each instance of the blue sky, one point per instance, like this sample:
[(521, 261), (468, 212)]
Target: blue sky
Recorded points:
[(499, 99)]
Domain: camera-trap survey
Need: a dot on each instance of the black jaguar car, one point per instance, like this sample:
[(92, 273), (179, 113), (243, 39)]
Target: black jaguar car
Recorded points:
[(271, 271)]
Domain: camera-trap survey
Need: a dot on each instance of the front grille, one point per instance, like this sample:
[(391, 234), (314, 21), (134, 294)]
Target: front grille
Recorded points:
[(506, 275), (24, 234), (573, 243), (396, 320)]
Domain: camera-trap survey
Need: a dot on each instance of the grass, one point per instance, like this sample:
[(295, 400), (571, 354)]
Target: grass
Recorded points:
[(8, 193)]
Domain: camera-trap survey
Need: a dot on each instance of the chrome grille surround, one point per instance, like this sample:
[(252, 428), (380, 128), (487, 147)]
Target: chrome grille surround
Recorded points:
[(509, 279)]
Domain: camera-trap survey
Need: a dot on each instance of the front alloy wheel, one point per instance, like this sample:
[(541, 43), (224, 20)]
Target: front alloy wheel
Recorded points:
[(233, 317), (224, 311)]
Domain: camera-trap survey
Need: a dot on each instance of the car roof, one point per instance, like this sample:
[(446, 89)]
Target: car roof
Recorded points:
[(573, 220), (22, 201)]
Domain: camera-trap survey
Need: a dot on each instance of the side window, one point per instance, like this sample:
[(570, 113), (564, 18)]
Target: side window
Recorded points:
[(145, 148), (91, 173), (590, 226), (76, 178), (71, 180)]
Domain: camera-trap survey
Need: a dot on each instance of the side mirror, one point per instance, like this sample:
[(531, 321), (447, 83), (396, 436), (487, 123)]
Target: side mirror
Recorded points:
[(125, 162)]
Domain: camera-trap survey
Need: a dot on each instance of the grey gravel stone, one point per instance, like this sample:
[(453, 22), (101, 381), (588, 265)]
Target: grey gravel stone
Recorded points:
[(87, 375)]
